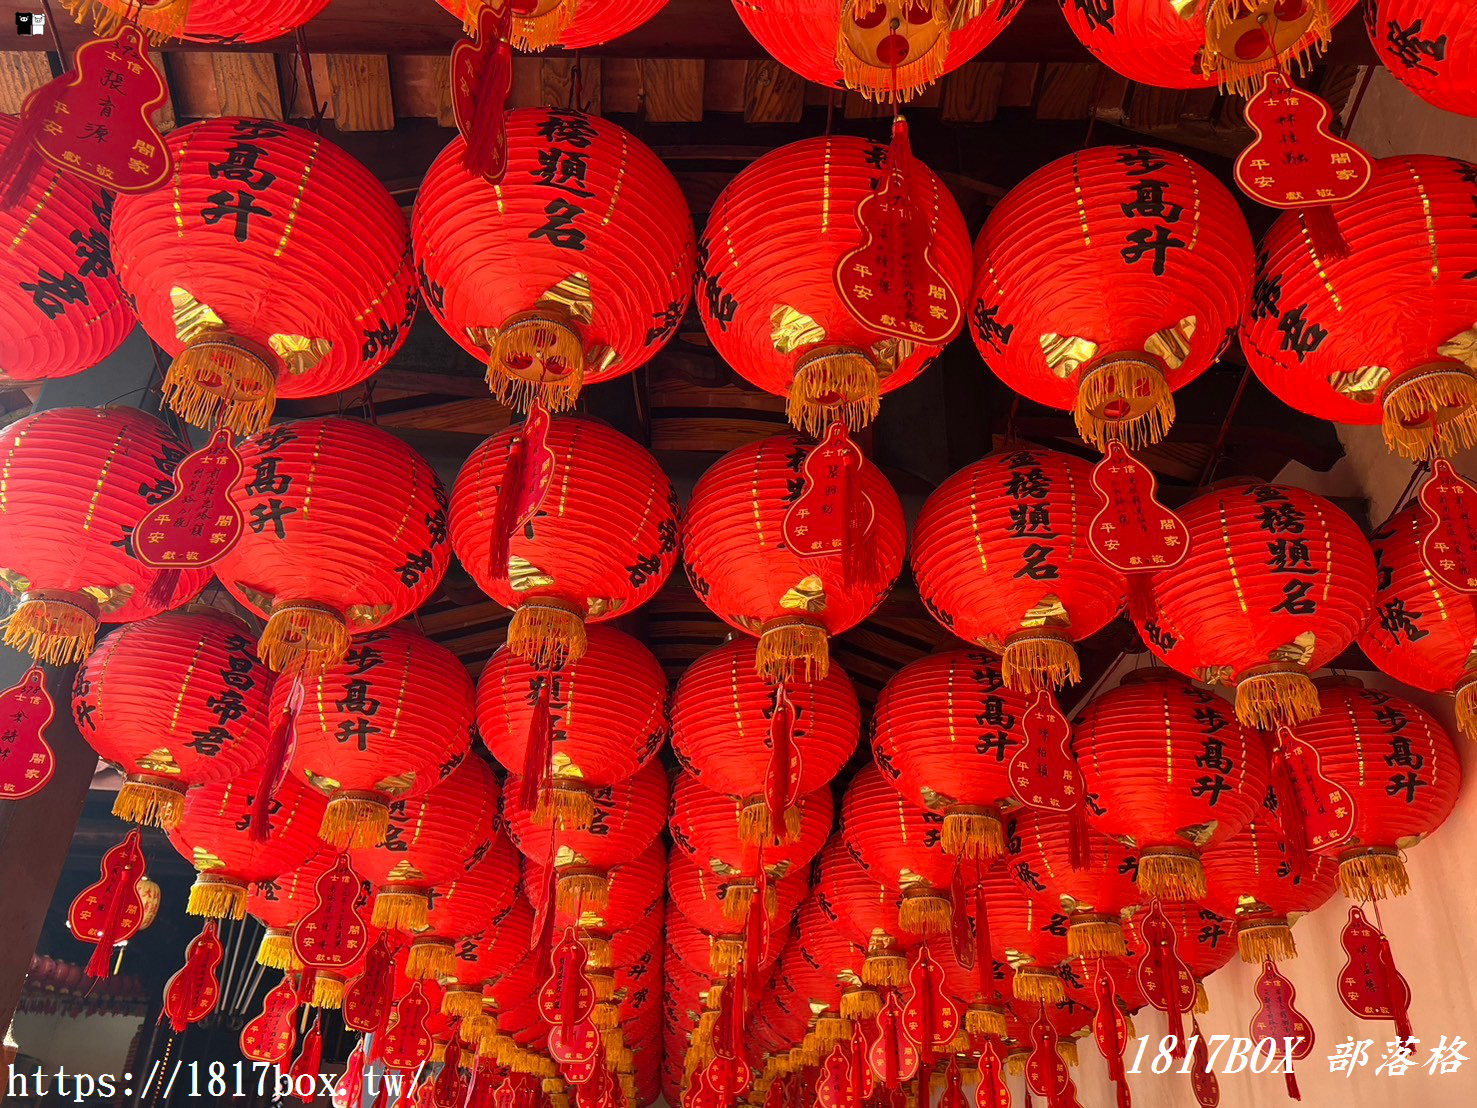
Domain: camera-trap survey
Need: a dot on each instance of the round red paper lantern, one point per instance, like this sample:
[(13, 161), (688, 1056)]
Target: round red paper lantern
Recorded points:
[(723, 730), (1202, 940), (701, 896), (1251, 878), (430, 840), (1108, 279), (829, 964), (492, 951), (632, 888), (767, 284), (389, 720), (885, 49), (600, 537), (1428, 45), (1095, 892), (742, 564), (346, 533), (461, 907), (1002, 559), (174, 701), (218, 835), (1277, 584), (568, 24), (1420, 632), (867, 911), (77, 481), (59, 294), (1398, 767), (901, 845), (1168, 768), (1027, 933), (1384, 335), (1232, 42), (212, 21), (604, 716), (270, 264), (943, 731), (279, 902), (575, 268)]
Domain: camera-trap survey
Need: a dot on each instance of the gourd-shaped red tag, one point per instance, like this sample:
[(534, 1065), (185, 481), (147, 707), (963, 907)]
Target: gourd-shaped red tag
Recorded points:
[(481, 75), (1163, 977), (448, 1090), (198, 524), (110, 911), (1278, 1019), (1369, 984), (306, 1066), (1046, 1073), (930, 1018), (27, 761), (1043, 773), (1110, 1030), (348, 1090), (527, 476), (1203, 1082), (333, 934), (407, 1041), (270, 1036), (890, 283), (571, 1044), (1326, 808), (1295, 160), (368, 997), (892, 1055), (579, 1071), (832, 515), (1132, 531), (953, 1096), (192, 991), (1449, 545), (728, 1077), (568, 996), (833, 1086), (992, 1092)]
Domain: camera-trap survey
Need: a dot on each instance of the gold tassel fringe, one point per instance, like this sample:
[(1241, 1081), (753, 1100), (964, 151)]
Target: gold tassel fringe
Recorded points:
[(400, 909), (159, 23), (1273, 695), (546, 634), (217, 897), (1244, 76), (598, 948), (882, 83), (581, 889), (1171, 873), (885, 967), (613, 1040), (1123, 398), (984, 1019), (606, 1015), (792, 648), (1466, 705), (1432, 410), (1373, 875), (738, 898), (1202, 999), (1015, 1064), (860, 1003), (754, 824), (541, 32), (1039, 657), (524, 345), (328, 991), (463, 1003), (924, 911), (151, 801), (276, 950), (834, 383), (1035, 983), (1260, 939), (830, 1030), (1094, 935), (303, 638), (1067, 1049), (971, 832), (218, 380), (429, 958), (604, 983), (726, 954), (355, 819), (567, 800), (53, 626)]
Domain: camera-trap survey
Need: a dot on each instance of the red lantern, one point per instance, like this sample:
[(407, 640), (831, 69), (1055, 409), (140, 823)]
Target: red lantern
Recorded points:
[(885, 49), (270, 264), (1168, 768), (1385, 334), (1252, 878), (588, 723), (212, 21), (632, 888), (724, 726), (1421, 632), (828, 964), (63, 307), (1277, 584), (1027, 933), (1230, 41), (901, 846), (279, 902), (389, 720), (347, 534), (987, 573), (943, 728), (431, 839), (699, 895), (1096, 892), (1398, 768), (547, 303), (569, 24), (77, 480), (201, 665), (220, 835), (461, 907), (1425, 44), (739, 540), (868, 912), (1108, 279), (767, 282), (593, 532), (485, 956)]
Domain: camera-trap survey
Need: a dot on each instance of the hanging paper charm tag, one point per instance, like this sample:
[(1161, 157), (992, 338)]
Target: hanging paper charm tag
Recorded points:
[(192, 991), (832, 515), (407, 1042), (568, 996), (1203, 1082), (27, 761), (892, 1055), (481, 75), (574, 1043), (1163, 977), (367, 997), (1109, 1027), (1132, 531), (109, 911), (1046, 1073), (447, 1089), (992, 1091), (1327, 808), (1043, 773), (890, 283), (198, 524), (1295, 160), (1449, 545), (1277, 1017), (930, 1018), (528, 474), (333, 934), (833, 1087), (1369, 984), (270, 1036), (348, 1090)]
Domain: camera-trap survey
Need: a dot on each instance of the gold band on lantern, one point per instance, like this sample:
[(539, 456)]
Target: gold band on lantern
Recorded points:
[(55, 626)]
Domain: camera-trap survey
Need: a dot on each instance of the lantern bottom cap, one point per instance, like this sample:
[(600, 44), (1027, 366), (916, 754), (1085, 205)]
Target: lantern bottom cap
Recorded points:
[(1171, 872), (1038, 983), (303, 637), (985, 1019), (834, 384), (1123, 398), (221, 380), (1096, 935), (355, 820), (860, 1003), (429, 958), (568, 801), (547, 633), (328, 990), (1373, 873), (275, 950), (55, 626), (151, 801), (792, 648), (401, 909), (1466, 704), (973, 832), (756, 827), (1272, 695), (924, 911), (1038, 657), (1431, 411), (887, 967), (1261, 939), (537, 357), (465, 1003), (217, 896)]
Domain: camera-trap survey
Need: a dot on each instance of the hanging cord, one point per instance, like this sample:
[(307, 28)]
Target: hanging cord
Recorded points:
[(56, 39), (318, 108)]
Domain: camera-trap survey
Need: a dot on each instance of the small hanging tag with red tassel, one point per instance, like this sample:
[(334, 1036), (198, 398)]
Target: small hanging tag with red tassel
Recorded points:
[(198, 524), (333, 933), (1296, 161), (481, 76), (528, 473), (1449, 545), (568, 996), (110, 911), (27, 762), (1369, 984), (306, 1066), (782, 776), (279, 755), (348, 1090), (862, 1078), (270, 1036), (1326, 808), (729, 1077), (95, 122), (930, 1017), (892, 1054), (1046, 1072), (367, 998), (1043, 773), (1278, 1019), (832, 515), (992, 1091), (193, 990), (538, 751), (1110, 1030), (961, 933), (574, 1045), (890, 283), (1163, 977), (448, 1089), (1203, 1082), (407, 1041), (1132, 531), (834, 1087), (953, 1096)]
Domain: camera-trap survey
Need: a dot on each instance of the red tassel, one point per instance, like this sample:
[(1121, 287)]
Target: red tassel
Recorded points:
[(276, 763), (305, 985), (161, 591), (1398, 1007), (538, 752), (1079, 846), (1173, 1015), (569, 983), (1323, 229), (777, 781), (984, 964), (20, 160), (851, 554), (100, 964), (1140, 598), (1293, 1091), (505, 513), (309, 1062), (1289, 810)]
